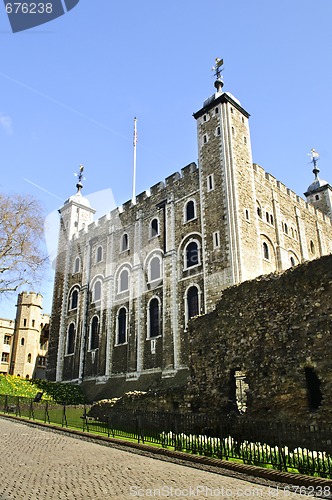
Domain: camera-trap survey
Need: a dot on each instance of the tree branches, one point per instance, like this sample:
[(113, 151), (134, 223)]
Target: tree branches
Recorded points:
[(22, 258)]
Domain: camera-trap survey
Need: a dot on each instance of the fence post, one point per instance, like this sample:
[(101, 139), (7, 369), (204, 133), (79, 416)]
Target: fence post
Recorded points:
[(64, 416), (31, 414)]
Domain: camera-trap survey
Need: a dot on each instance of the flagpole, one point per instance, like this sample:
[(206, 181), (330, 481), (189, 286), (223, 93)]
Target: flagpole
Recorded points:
[(133, 200)]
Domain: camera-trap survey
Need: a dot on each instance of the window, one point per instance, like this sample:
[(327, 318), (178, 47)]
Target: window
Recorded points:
[(317, 197), (124, 242), (122, 326), (124, 280), (97, 291), (259, 209), (312, 247), (190, 211), (41, 360), (314, 393), (271, 220), (204, 139), (77, 265), (210, 182), (244, 140), (71, 339), (33, 323), (73, 299), (29, 358), (266, 254), (6, 339), (192, 302), (22, 341), (204, 118), (99, 254), (155, 271), (218, 131), (94, 333), (154, 318), (192, 254), (247, 214), (216, 111), (24, 322), (292, 261), (154, 228), (216, 239), (267, 216), (285, 228), (5, 357)]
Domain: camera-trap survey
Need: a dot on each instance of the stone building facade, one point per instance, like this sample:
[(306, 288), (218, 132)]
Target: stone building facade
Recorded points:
[(127, 285), (264, 351), (24, 341)]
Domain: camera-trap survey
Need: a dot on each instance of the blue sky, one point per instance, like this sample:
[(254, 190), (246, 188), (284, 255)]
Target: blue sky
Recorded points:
[(70, 89)]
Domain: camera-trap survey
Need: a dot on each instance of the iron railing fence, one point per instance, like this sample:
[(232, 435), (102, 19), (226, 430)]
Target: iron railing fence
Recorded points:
[(286, 447)]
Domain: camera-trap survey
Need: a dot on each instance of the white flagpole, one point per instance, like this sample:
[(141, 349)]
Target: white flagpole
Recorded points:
[(133, 200)]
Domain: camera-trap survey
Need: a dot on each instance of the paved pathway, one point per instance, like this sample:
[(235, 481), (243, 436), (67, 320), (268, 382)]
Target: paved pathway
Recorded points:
[(39, 464)]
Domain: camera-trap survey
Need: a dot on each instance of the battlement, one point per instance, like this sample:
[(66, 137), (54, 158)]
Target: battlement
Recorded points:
[(29, 298), (263, 176)]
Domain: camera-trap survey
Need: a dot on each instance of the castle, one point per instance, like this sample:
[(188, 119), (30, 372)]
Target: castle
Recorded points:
[(25, 341), (127, 285)]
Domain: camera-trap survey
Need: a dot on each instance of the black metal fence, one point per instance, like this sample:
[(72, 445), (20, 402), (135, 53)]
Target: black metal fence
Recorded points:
[(291, 448)]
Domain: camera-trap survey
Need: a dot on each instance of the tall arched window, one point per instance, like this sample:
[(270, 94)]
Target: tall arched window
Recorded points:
[(122, 326), (22, 341), (124, 280), (71, 339), (292, 261), (192, 254), (124, 242), (94, 333), (99, 254), (77, 265), (190, 210), (266, 253), (154, 318), (29, 358), (154, 228), (73, 299), (192, 302), (96, 291), (155, 269)]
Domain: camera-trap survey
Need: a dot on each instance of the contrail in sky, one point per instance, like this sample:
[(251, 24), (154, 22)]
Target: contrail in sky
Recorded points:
[(45, 190)]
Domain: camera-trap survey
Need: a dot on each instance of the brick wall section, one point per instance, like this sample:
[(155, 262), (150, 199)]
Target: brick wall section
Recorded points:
[(272, 328)]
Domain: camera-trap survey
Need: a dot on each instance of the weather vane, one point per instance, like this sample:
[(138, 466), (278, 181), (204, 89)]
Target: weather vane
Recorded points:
[(79, 184), (314, 155), (217, 68)]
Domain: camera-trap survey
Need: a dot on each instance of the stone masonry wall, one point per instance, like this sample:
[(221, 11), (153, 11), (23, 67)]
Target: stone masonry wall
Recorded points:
[(276, 331)]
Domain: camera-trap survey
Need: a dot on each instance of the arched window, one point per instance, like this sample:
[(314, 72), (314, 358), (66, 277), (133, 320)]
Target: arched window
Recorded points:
[(122, 326), (259, 209), (154, 318), (77, 265), (266, 254), (29, 358), (192, 254), (154, 228), (71, 339), (154, 269), (99, 254), (124, 242), (94, 333), (271, 220), (22, 341), (27, 377), (286, 228), (267, 216), (292, 261), (192, 302), (312, 247), (190, 210), (73, 299), (124, 280), (96, 291)]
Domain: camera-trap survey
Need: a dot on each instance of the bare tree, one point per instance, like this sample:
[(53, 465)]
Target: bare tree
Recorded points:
[(22, 257)]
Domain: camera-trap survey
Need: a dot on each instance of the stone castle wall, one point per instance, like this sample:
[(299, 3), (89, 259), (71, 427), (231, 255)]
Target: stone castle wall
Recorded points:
[(274, 331)]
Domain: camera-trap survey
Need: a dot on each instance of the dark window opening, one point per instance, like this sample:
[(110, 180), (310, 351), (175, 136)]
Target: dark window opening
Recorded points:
[(71, 339), (154, 318), (99, 254), (192, 256), (73, 300), (265, 251), (192, 302), (94, 340), (314, 394), (122, 326), (124, 242), (190, 210), (154, 228)]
